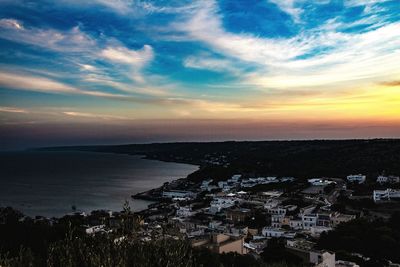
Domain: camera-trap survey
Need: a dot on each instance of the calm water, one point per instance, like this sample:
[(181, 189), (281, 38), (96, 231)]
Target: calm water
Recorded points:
[(50, 183)]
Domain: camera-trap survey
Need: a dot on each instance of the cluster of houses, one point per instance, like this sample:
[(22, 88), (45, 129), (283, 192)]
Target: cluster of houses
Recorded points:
[(386, 195), (389, 194), (380, 195), (235, 216), (236, 181)]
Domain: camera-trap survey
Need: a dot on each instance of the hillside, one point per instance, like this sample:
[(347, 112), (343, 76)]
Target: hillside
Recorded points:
[(302, 159)]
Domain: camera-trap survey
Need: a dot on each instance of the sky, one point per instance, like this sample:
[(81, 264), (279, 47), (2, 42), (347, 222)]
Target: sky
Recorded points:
[(127, 71)]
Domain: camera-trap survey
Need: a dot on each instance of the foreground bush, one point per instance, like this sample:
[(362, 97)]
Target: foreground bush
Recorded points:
[(102, 251)]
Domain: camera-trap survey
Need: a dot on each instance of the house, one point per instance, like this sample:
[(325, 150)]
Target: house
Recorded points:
[(272, 232), (218, 204), (307, 209), (235, 178), (276, 210), (340, 263), (300, 244), (388, 194), (276, 220), (207, 186), (319, 181), (277, 232), (239, 230), (184, 212), (221, 243), (95, 229), (178, 194), (287, 179), (382, 179), (357, 178), (296, 224), (271, 203), (238, 215), (257, 245), (309, 220), (324, 219), (322, 259), (388, 179), (214, 225)]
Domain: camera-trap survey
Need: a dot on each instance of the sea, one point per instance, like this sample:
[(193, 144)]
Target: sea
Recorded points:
[(53, 184)]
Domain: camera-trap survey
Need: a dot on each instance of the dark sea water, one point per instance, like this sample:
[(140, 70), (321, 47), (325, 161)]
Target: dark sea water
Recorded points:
[(50, 183)]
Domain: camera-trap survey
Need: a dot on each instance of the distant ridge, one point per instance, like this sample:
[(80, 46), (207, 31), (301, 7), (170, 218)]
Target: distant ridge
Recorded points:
[(299, 158)]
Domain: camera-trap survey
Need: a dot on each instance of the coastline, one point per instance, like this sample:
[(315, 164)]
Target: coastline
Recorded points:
[(26, 203)]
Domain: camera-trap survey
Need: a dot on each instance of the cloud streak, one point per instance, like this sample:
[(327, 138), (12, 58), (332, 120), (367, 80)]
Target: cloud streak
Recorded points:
[(45, 85), (349, 56)]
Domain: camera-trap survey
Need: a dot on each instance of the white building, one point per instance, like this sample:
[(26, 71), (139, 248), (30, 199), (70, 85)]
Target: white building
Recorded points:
[(272, 232), (287, 179), (382, 179), (259, 180), (271, 203), (207, 186), (341, 263), (309, 220), (222, 184), (276, 210), (319, 181), (357, 178), (95, 229), (235, 178), (387, 194), (214, 225), (322, 259), (276, 220), (387, 179), (184, 212), (218, 204), (296, 224), (179, 194), (247, 183)]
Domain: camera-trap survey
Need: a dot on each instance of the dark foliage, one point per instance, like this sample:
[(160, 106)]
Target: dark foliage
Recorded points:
[(276, 252), (377, 239)]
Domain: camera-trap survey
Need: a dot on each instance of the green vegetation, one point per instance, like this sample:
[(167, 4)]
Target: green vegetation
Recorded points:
[(276, 252), (376, 239), (30, 243), (103, 251)]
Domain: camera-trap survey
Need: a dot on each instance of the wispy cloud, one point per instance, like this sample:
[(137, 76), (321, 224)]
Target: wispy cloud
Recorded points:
[(211, 63), (130, 62), (289, 7), (294, 61), (136, 58), (93, 115), (391, 83), (72, 40), (11, 24), (41, 84), (12, 110)]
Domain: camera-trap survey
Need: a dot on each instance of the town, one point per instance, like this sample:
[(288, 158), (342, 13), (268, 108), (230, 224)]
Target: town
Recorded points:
[(237, 215), (246, 215)]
